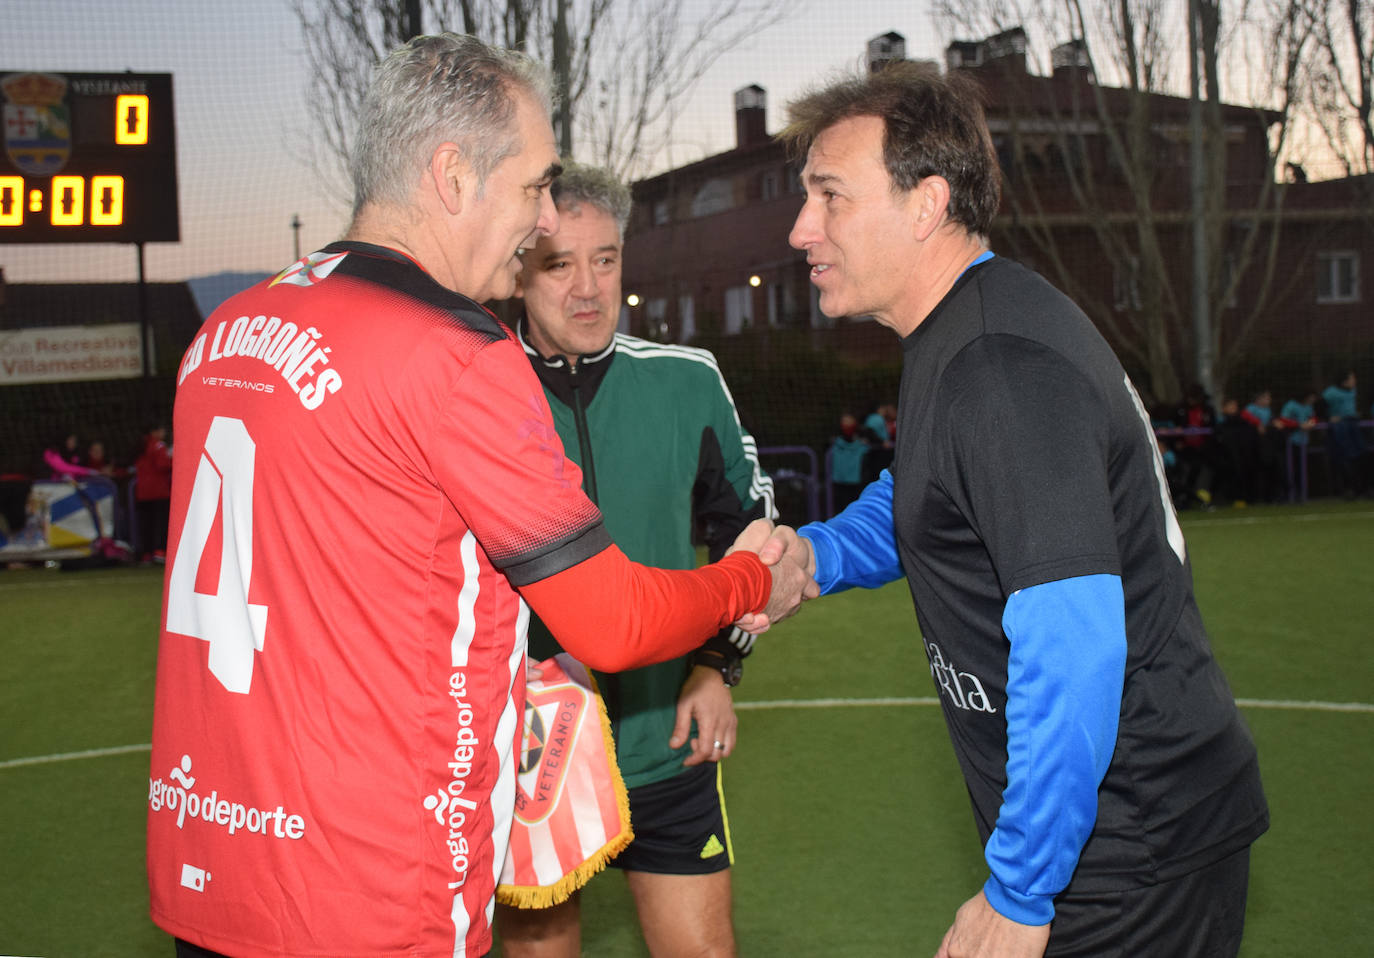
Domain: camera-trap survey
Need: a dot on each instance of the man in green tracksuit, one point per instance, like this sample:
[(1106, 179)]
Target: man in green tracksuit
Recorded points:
[(662, 451)]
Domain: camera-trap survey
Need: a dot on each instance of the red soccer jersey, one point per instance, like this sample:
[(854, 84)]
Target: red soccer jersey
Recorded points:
[(365, 463)]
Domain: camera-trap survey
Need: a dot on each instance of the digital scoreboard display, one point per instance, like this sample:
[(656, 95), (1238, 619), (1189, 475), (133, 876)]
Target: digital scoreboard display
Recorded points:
[(89, 158)]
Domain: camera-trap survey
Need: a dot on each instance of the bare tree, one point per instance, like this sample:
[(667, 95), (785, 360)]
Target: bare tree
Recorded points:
[(1337, 90), (624, 66), (1107, 133)]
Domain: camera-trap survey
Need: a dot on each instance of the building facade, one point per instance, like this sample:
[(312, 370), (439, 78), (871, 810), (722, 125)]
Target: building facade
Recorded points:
[(708, 255)]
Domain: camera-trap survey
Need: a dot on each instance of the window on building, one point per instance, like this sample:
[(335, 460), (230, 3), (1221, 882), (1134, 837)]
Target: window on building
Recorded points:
[(715, 196), (737, 309), (770, 187), (687, 319), (775, 313), (660, 212), (818, 319), (656, 310), (1338, 277)]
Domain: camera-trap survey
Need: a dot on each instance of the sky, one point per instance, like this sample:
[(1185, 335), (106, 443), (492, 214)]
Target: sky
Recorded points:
[(243, 123)]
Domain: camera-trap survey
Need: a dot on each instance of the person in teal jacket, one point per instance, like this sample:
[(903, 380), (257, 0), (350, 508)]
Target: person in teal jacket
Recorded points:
[(1345, 444), (662, 452)]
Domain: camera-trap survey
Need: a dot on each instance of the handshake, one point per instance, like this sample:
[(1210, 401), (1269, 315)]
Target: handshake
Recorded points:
[(791, 561)]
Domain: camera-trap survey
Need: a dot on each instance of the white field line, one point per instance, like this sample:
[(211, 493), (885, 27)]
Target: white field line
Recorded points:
[(72, 756), (852, 703), (767, 705)]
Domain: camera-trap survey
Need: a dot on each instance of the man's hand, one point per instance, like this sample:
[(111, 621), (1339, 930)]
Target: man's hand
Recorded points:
[(784, 543), (707, 699), (783, 551), (979, 931), (753, 538), (533, 673)]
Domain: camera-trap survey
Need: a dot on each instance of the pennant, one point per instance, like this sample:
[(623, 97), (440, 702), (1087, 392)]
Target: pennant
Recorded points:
[(572, 813)]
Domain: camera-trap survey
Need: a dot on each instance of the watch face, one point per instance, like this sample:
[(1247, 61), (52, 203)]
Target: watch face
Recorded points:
[(732, 672)]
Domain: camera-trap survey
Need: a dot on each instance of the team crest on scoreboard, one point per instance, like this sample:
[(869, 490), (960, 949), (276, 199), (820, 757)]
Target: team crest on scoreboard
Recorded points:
[(38, 130), (552, 719)]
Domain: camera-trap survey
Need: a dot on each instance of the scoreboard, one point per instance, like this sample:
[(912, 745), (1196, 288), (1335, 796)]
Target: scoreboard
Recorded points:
[(88, 158)]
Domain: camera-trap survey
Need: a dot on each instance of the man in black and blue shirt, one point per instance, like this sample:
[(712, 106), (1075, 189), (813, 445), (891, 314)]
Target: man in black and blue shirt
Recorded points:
[(1113, 781)]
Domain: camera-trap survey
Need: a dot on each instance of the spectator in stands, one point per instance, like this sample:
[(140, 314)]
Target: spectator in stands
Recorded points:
[(97, 461), (1178, 492), (64, 458), (70, 450), (1344, 442), (1299, 416), (875, 424), (848, 451), (881, 433), (153, 493), (1197, 450), (1269, 483), (1236, 456)]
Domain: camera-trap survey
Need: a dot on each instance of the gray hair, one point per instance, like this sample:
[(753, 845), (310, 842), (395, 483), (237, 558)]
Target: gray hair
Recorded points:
[(595, 186), (436, 89)]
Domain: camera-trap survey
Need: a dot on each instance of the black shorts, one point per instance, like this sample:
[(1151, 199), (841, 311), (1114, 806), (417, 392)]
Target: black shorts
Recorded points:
[(680, 825), (1200, 915)]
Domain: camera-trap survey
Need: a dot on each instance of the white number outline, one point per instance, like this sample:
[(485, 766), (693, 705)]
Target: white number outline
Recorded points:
[(1172, 529), (233, 627)]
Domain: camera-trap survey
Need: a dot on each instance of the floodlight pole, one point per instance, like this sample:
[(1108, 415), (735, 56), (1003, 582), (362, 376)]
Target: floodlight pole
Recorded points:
[(1202, 326), (145, 328)]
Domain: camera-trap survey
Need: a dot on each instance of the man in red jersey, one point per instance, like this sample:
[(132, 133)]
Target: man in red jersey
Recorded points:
[(368, 491)]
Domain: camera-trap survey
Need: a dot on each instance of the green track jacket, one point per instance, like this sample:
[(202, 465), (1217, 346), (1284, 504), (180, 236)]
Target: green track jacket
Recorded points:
[(661, 448)]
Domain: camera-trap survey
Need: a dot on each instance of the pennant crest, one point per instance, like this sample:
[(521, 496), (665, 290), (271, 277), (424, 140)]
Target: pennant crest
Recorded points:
[(552, 720)]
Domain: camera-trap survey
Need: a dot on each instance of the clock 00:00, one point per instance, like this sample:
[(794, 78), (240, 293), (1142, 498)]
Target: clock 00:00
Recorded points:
[(65, 201)]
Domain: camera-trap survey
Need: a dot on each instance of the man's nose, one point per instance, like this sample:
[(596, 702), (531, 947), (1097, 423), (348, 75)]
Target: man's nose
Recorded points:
[(584, 281), (804, 231)]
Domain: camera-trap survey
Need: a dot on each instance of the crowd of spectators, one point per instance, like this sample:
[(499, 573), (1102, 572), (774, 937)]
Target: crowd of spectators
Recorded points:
[(860, 452), (1226, 454), (1241, 452), (141, 483)]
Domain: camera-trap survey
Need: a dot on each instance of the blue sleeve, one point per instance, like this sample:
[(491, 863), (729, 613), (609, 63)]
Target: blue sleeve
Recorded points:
[(858, 547), (1064, 680)]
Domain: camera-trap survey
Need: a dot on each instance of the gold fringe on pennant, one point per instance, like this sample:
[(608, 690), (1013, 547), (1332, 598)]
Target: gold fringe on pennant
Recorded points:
[(546, 896)]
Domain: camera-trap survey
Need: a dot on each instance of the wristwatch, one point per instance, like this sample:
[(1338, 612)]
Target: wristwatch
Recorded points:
[(730, 667)]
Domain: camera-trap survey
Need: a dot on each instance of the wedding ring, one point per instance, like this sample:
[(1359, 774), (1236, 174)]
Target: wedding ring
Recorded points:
[(718, 745)]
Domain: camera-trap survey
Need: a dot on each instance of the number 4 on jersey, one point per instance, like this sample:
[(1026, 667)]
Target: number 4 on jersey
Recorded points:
[(233, 627)]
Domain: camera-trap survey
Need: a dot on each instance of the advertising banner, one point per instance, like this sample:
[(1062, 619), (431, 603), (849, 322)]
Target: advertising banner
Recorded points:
[(59, 354)]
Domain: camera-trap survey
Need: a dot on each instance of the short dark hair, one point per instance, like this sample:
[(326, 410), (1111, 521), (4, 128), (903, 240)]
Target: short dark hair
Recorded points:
[(933, 125)]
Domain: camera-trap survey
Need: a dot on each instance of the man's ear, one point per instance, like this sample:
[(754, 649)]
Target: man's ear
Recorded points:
[(931, 205), (451, 177), (520, 280)]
